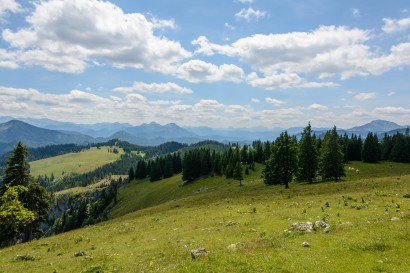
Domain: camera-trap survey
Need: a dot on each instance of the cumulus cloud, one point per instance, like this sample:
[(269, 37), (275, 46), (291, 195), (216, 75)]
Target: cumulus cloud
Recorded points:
[(392, 110), (250, 14), (200, 71), (8, 59), (255, 100), (275, 102), (143, 87), (317, 106), (391, 93), (8, 6), (325, 52), (67, 36), (284, 81), (365, 96), (395, 25)]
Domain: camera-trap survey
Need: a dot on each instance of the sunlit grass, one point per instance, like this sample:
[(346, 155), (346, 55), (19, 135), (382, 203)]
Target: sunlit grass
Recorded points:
[(79, 163), (243, 228)]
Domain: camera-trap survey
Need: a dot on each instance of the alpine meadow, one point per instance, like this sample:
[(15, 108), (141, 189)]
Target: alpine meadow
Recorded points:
[(181, 136)]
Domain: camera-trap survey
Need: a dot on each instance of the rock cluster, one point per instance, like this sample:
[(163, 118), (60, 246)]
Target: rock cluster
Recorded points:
[(309, 227), (198, 252)]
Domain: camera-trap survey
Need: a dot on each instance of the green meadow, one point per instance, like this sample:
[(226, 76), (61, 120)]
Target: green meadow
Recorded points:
[(244, 229), (82, 162)]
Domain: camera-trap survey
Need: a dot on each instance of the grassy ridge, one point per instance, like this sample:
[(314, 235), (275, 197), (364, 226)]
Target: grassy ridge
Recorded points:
[(242, 227), (79, 163)]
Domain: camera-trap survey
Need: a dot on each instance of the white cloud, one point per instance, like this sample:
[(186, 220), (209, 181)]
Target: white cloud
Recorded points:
[(275, 102), (317, 106), (200, 71), (245, 1), (143, 87), (8, 6), (229, 26), (391, 93), (355, 13), (365, 96), (392, 110), (69, 35), (255, 100), (325, 52), (250, 14), (395, 25), (8, 59), (284, 81)]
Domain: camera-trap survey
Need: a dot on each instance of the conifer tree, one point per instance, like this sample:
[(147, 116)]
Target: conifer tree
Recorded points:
[(17, 171), (371, 149), (331, 157), (238, 172), (282, 164), (308, 156), (131, 174)]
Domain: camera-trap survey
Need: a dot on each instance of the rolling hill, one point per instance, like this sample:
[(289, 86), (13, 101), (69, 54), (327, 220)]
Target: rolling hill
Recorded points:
[(13, 131), (243, 229)]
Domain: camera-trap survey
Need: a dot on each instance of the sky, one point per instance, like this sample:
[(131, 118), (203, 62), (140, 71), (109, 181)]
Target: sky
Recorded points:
[(216, 63)]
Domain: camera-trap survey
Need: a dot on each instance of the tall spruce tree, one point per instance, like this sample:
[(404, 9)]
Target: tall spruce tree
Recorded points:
[(282, 164), (17, 171), (371, 149), (331, 158), (308, 156), (238, 172)]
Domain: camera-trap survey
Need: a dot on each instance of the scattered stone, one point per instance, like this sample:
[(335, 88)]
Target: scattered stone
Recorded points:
[(198, 252), (302, 226), (322, 224), (233, 247), (88, 257), (305, 244), (289, 219), (395, 219)]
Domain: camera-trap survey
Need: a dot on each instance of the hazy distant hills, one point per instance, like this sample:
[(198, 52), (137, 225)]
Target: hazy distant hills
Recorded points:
[(13, 131), (41, 132)]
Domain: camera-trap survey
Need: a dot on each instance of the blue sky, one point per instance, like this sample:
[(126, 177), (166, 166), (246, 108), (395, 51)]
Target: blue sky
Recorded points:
[(239, 63)]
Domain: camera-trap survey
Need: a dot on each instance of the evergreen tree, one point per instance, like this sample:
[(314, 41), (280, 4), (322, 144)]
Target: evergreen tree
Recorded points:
[(282, 164), (156, 171), (131, 174), (17, 171), (331, 157), (238, 173), (371, 149), (401, 148), (308, 157), (168, 169)]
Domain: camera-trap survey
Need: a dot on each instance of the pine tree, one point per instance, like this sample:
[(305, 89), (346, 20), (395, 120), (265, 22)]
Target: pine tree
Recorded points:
[(238, 173), (331, 157), (131, 174), (371, 149), (308, 156), (17, 171), (282, 164)]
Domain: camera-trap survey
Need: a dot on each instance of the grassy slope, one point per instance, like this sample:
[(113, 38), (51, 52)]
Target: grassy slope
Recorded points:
[(242, 227), (82, 162)]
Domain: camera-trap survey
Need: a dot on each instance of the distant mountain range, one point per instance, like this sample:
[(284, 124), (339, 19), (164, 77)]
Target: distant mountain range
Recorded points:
[(41, 132)]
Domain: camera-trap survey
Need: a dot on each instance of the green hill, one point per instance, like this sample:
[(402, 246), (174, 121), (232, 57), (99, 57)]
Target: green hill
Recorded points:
[(244, 229), (79, 163)]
